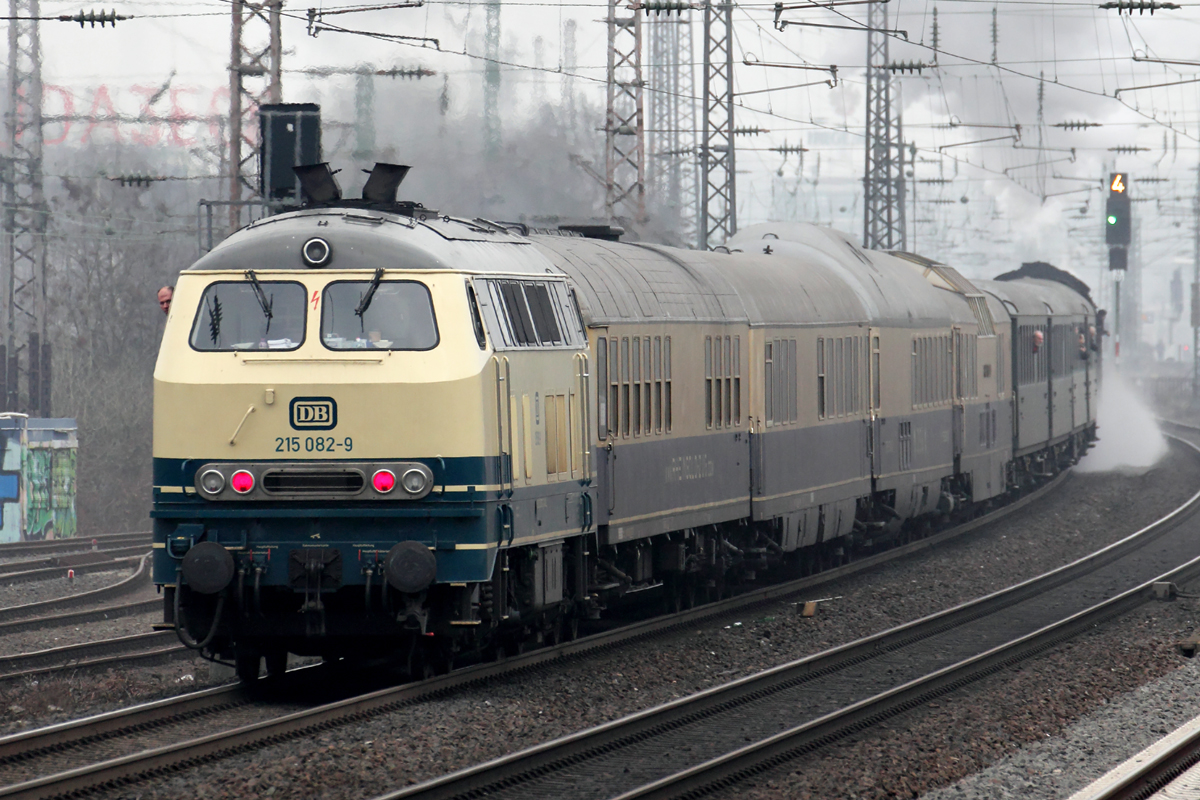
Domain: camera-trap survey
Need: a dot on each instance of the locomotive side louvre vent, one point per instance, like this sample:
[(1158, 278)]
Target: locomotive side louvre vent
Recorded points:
[(327, 481), (530, 313)]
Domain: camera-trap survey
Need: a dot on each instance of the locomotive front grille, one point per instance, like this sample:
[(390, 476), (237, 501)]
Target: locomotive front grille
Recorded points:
[(322, 482)]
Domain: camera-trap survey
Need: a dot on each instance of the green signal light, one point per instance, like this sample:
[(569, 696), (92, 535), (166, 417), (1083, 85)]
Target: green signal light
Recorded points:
[(1112, 219)]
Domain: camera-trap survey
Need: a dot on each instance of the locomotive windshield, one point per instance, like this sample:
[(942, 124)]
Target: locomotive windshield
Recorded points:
[(378, 314), (250, 315)]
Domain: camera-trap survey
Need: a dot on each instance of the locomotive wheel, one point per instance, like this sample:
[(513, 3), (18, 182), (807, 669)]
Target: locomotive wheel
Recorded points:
[(276, 663), (247, 660)]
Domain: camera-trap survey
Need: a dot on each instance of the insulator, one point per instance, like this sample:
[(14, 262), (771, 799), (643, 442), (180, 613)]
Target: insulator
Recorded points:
[(935, 181), (907, 66), (1128, 149), (1074, 125), (92, 17), (755, 131), (659, 6), (1141, 6)]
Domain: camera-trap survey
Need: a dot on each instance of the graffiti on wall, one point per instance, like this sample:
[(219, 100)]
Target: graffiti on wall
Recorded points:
[(37, 479)]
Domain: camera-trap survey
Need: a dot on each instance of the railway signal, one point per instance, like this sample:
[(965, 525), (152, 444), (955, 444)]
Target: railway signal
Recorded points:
[(1117, 228)]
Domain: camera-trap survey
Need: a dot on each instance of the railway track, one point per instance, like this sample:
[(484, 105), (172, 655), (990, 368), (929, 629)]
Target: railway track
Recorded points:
[(140, 579), (101, 562), (1169, 762), (105, 540), (81, 617), (717, 737), (123, 651), (105, 750)]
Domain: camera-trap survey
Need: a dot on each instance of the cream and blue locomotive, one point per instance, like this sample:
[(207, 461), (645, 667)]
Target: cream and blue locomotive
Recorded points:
[(381, 430)]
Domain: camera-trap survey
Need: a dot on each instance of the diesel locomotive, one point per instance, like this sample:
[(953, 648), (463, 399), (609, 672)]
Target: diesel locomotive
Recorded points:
[(380, 430)]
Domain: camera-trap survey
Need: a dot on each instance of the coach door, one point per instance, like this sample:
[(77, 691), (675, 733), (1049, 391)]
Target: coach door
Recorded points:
[(958, 417), (874, 381)]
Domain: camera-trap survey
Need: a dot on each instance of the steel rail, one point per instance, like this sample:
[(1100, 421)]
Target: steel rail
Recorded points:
[(12, 549), (102, 556), (68, 656), (330, 715), (62, 573), (81, 617), (139, 579), (545, 758), (1151, 770)]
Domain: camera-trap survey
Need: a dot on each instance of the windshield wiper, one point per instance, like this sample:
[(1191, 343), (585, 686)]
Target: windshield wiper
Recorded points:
[(263, 302), (365, 302), (214, 319)]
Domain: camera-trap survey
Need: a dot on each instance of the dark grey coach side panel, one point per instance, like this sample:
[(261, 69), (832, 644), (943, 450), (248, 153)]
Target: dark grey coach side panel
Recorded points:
[(707, 479)]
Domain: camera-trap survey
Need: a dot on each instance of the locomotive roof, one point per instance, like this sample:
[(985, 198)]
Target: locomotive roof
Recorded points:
[(367, 239)]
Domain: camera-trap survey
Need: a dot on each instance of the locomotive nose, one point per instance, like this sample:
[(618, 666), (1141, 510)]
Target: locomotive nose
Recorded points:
[(410, 566)]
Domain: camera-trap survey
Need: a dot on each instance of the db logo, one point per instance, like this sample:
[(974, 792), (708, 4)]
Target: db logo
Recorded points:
[(314, 413)]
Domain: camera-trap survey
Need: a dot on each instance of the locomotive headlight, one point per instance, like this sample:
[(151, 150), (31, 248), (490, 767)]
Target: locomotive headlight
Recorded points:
[(212, 481), (384, 481), (242, 481), (414, 481), (316, 252)]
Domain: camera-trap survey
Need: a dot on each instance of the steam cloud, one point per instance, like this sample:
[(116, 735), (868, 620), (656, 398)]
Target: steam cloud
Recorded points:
[(1130, 439)]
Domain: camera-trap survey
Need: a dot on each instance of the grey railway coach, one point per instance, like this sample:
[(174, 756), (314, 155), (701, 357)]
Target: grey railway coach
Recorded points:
[(437, 436)]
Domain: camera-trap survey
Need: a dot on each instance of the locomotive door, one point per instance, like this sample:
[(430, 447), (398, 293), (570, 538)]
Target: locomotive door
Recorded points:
[(504, 434)]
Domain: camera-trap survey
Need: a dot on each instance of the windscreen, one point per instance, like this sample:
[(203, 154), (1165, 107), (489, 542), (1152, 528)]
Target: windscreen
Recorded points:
[(382, 315), (243, 315)]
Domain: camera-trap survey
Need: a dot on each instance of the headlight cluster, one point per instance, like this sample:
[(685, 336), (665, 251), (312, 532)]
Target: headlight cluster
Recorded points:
[(302, 480)]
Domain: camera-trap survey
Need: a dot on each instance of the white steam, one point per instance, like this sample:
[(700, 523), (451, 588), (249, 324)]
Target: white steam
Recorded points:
[(1130, 440)]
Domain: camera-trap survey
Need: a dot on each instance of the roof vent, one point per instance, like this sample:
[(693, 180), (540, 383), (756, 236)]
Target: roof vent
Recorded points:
[(318, 183), (383, 181), (608, 233)]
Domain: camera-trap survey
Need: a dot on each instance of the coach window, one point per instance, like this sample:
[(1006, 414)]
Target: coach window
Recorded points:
[(875, 379), (667, 383), (769, 382), (624, 385), (250, 315), (658, 385), (601, 388), (717, 381), (793, 381), (820, 378), (737, 380), (614, 400), (708, 382), (476, 319), (636, 386), (383, 315), (647, 384)]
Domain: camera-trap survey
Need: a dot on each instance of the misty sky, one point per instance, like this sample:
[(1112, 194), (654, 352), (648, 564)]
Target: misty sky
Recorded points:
[(1084, 54)]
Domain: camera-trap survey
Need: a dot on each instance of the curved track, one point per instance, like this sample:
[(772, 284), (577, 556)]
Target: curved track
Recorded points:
[(113, 740), (107, 540), (715, 738), (140, 579)]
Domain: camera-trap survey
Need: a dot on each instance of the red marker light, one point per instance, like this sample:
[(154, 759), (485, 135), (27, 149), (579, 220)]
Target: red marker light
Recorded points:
[(242, 481), (384, 481)]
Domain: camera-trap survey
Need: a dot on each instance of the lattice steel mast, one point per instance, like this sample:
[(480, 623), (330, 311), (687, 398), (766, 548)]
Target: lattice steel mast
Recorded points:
[(624, 121), (671, 135), (883, 176), (25, 348), (256, 53), (491, 80), (718, 190)]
